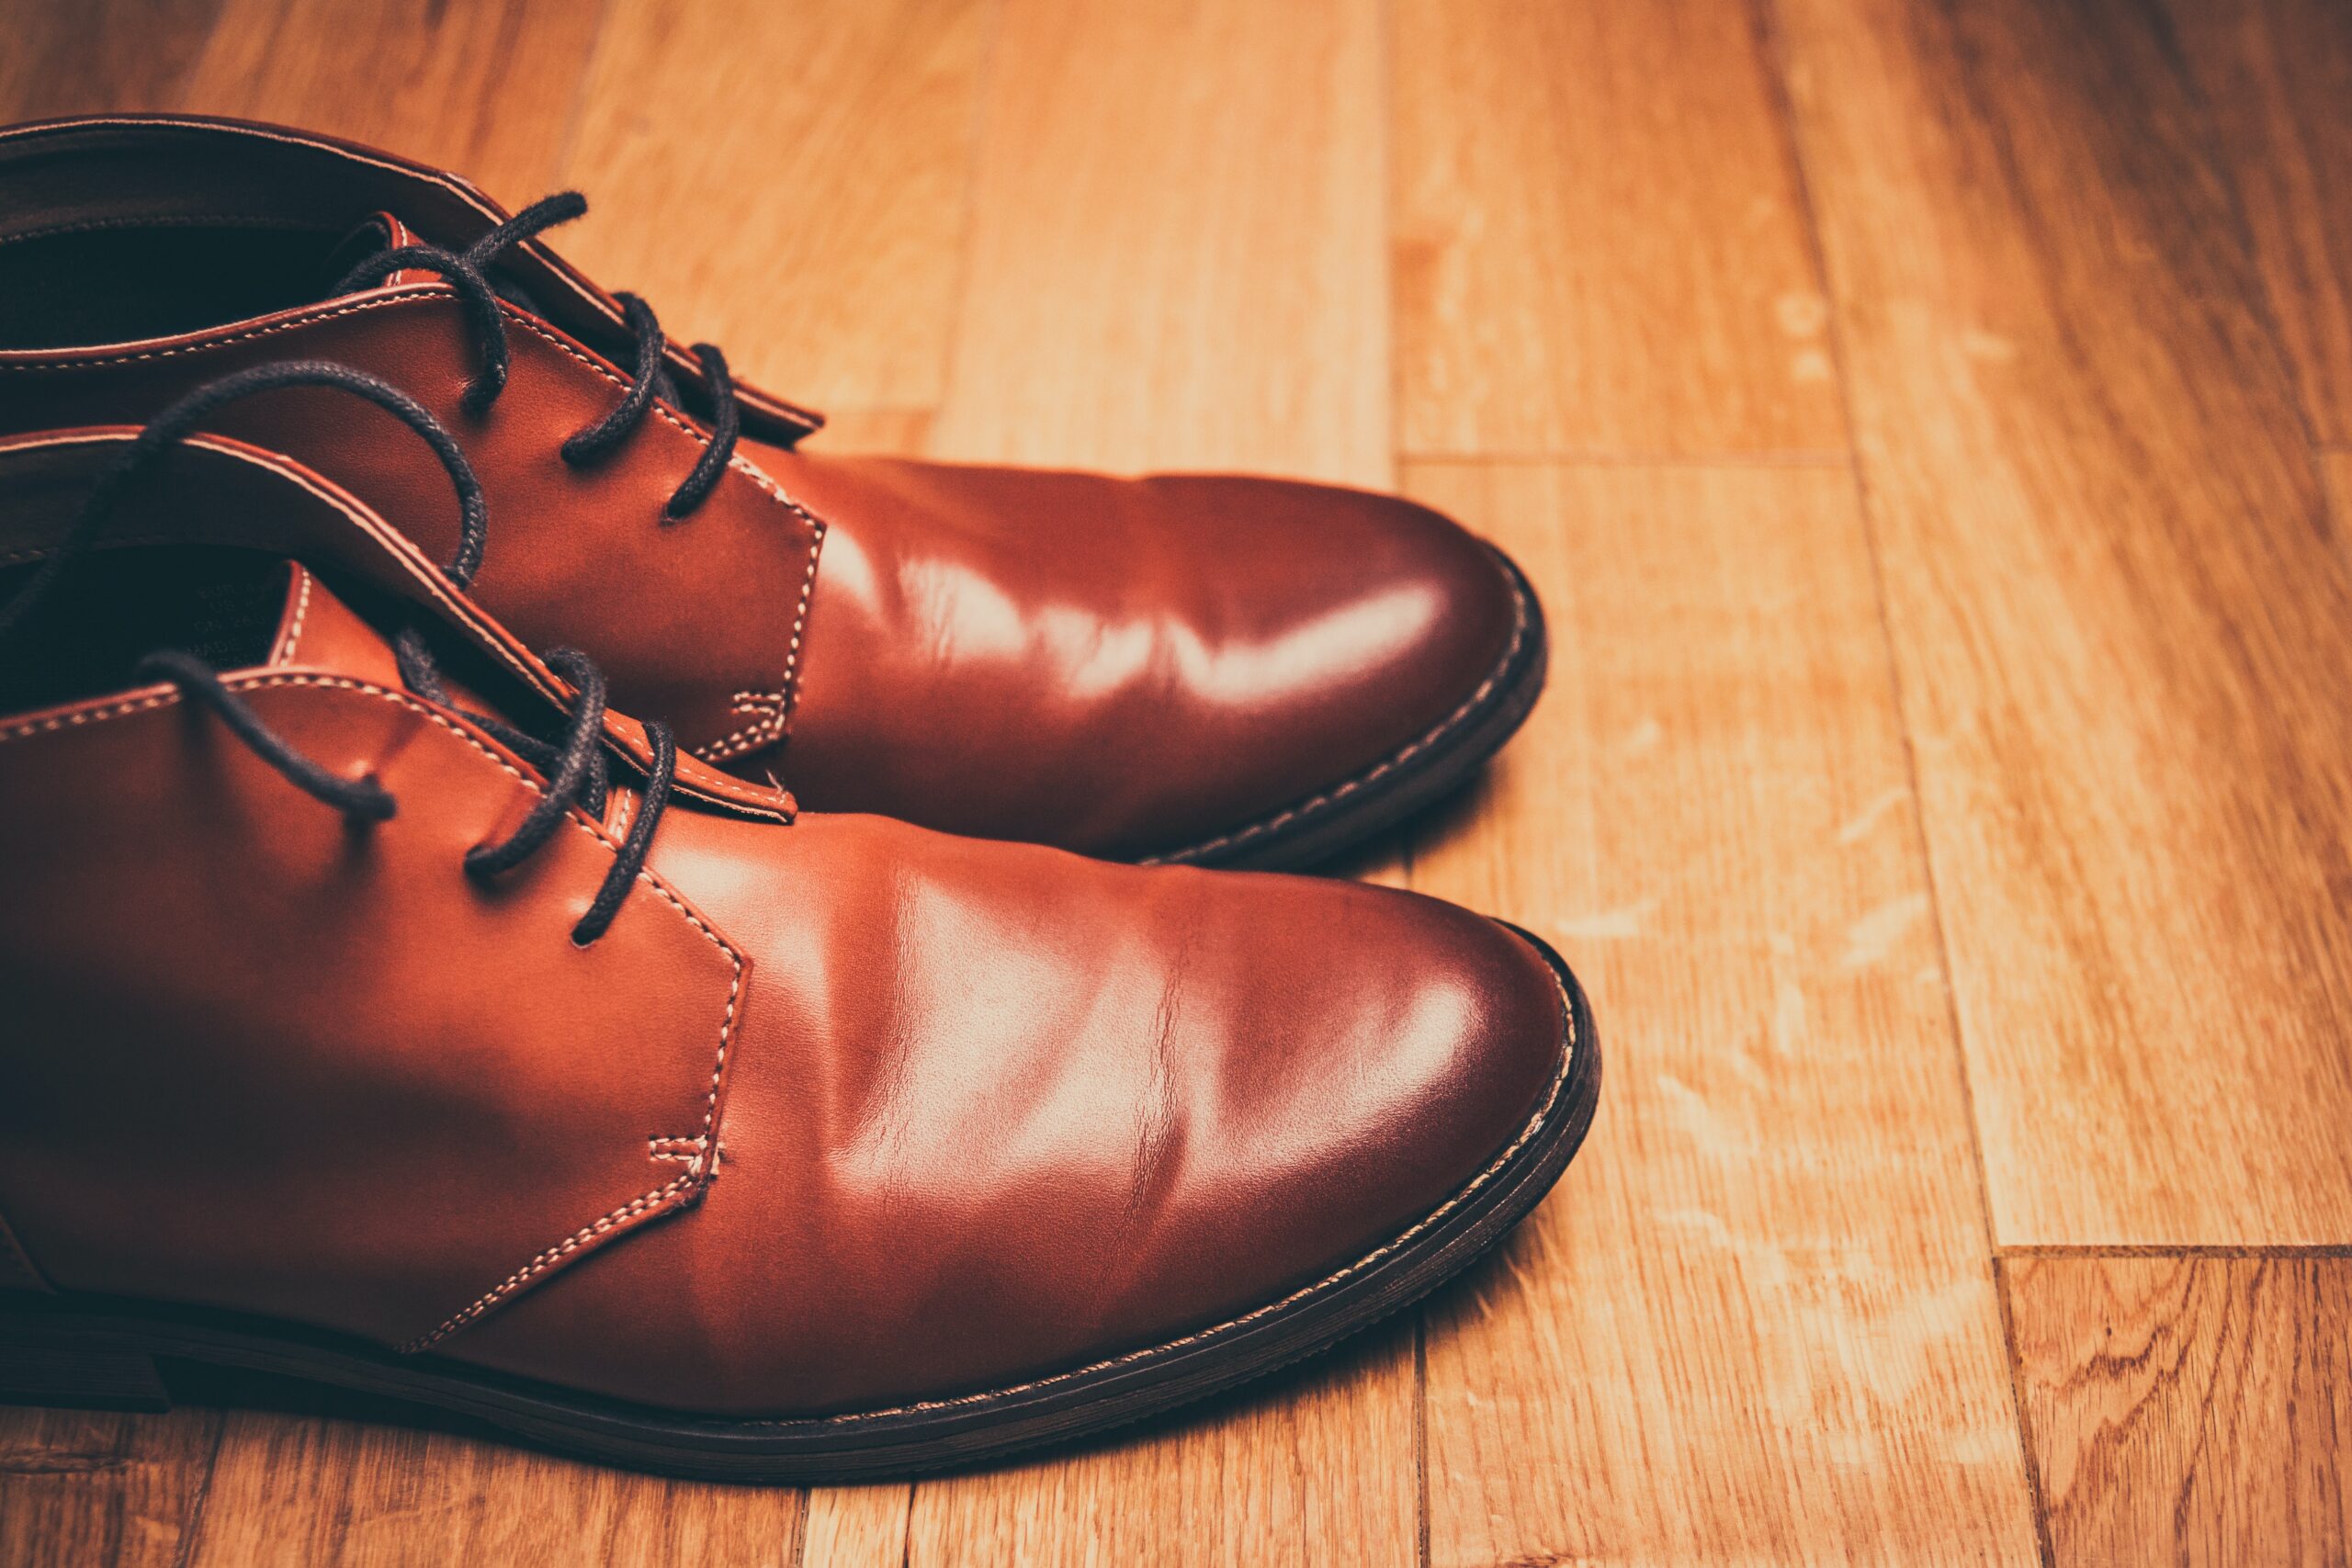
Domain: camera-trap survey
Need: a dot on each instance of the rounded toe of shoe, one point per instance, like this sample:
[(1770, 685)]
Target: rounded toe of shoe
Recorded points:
[(1395, 1054), (1381, 634)]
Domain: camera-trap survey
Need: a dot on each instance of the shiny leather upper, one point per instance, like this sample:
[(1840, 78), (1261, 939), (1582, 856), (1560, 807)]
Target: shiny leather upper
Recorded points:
[(1125, 667), (840, 1113)]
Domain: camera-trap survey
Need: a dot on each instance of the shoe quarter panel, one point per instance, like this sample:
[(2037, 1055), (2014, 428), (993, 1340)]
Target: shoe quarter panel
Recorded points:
[(699, 620), (262, 1060)]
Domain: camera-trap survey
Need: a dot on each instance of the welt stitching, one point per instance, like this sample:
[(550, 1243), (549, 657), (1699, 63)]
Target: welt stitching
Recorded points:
[(1571, 1046), (1334, 795), (637, 1207), (285, 652)]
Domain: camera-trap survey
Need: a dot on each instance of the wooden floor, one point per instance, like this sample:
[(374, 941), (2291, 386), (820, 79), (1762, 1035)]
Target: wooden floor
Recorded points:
[(1929, 424)]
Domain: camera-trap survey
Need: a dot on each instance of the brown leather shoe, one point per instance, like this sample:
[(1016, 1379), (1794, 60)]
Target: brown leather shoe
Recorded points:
[(1177, 668), (385, 1011)]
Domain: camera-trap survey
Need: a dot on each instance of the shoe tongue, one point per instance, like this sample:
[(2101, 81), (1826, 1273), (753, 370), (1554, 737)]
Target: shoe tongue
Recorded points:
[(318, 631), (378, 233)]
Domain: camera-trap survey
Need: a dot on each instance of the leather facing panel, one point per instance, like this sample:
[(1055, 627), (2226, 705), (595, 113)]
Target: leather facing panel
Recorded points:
[(260, 1060)]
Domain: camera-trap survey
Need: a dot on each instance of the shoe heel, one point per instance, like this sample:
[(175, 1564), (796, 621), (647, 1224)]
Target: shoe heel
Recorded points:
[(66, 1375)]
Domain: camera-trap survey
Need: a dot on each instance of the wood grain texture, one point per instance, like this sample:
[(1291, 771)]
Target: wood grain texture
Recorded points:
[(1755, 1322), (1314, 1466), (2276, 76), (100, 54), (1177, 255), (484, 87), (312, 1490), (857, 1526), (818, 158), (2124, 632), (82, 1488), (2336, 467), (2188, 1410), (1601, 246)]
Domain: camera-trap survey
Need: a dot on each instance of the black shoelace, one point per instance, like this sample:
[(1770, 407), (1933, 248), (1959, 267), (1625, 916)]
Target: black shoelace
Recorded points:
[(574, 768), (468, 271)]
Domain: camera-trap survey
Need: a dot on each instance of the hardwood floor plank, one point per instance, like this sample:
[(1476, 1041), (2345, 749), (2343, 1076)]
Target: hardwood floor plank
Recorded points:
[(1755, 1322), (857, 1526), (1599, 239), (817, 157), (485, 88), (2188, 1410), (1178, 244), (1311, 1467), (100, 1490), (2337, 467), (2124, 632), (312, 1491), (2276, 76), (98, 55)]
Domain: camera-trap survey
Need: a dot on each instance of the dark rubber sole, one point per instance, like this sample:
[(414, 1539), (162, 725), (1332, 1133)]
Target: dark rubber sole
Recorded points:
[(84, 1353), (1431, 767)]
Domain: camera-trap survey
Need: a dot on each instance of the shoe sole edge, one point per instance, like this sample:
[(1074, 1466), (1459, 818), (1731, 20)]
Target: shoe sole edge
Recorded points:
[(1343, 814)]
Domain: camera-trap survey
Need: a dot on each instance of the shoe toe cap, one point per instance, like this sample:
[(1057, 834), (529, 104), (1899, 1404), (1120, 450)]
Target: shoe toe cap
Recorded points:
[(1375, 628), (1390, 1051)]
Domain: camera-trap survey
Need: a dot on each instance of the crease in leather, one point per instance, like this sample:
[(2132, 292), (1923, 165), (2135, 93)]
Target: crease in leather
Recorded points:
[(1571, 1044)]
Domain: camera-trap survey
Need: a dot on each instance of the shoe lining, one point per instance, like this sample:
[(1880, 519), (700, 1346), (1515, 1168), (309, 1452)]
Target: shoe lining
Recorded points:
[(121, 283), (113, 607)]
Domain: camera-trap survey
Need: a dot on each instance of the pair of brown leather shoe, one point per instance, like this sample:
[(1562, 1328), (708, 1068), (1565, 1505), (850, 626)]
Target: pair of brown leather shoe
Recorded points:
[(389, 1009)]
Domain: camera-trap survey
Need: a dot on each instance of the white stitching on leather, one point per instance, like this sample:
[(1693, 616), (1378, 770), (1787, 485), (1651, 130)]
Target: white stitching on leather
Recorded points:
[(809, 420), (88, 715), (776, 707), (1330, 797), (749, 739), (644, 1204), (421, 572), (284, 652), (20, 360)]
